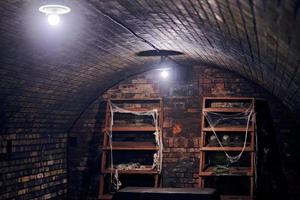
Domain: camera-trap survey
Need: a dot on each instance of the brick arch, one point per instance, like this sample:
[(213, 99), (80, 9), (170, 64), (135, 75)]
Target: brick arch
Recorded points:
[(182, 111), (252, 39), (49, 76)]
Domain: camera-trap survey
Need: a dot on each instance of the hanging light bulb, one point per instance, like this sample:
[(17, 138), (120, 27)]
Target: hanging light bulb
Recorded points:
[(53, 19), (164, 73), (53, 11)]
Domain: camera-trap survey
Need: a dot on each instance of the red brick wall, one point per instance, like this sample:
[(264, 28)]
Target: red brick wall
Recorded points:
[(182, 111)]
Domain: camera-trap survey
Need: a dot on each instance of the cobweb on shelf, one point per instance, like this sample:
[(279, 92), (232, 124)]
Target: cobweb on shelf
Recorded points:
[(217, 119), (157, 157)]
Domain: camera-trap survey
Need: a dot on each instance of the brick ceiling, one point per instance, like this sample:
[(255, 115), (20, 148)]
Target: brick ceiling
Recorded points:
[(49, 75)]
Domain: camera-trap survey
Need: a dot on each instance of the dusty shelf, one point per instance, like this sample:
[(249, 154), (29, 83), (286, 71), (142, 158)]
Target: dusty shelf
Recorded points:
[(139, 146), (233, 171)]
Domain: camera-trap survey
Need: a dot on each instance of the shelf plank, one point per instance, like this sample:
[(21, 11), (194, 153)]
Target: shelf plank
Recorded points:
[(137, 110), (235, 197), (225, 110), (229, 129), (132, 128), (233, 171), (105, 197), (132, 171), (142, 146), (229, 98), (225, 149), (135, 99)]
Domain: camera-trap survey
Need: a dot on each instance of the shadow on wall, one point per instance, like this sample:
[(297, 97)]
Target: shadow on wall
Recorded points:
[(85, 156), (271, 182)]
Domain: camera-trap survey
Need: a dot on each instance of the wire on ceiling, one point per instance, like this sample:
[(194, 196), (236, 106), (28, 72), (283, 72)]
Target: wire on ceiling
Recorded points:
[(125, 27)]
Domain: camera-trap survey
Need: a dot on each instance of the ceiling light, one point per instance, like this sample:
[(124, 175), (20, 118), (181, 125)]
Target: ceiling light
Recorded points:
[(164, 73), (53, 19), (53, 11)]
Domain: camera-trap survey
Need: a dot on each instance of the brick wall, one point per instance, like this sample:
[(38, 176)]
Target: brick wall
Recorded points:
[(33, 167), (48, 75), (182, 110)]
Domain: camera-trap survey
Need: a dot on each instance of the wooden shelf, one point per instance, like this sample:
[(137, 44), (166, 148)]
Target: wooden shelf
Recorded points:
[(105, 197), (133, 99), (139, 146), (233, 171), (230, 110), (228, 98), (136, 130), (220, 104), (132, 171), (133, 128), (229, 129), (235, 197), (137, 110), (225, 149)]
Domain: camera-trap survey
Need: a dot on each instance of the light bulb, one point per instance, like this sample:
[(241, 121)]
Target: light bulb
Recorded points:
[(53, 19), (164, 73)]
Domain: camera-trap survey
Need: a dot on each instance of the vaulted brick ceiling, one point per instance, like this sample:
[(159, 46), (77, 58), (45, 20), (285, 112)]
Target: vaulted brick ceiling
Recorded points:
[(49, 75)]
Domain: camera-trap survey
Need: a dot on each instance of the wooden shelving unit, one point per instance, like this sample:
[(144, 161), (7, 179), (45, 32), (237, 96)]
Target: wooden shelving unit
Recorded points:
[(228, 105), (132, 147)]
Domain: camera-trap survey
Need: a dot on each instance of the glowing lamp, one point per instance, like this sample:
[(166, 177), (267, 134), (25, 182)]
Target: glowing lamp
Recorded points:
[(164, 73), (53, 19), (53, 11)]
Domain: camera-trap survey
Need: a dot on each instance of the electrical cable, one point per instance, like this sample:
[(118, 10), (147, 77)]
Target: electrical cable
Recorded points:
[(115, 21)]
